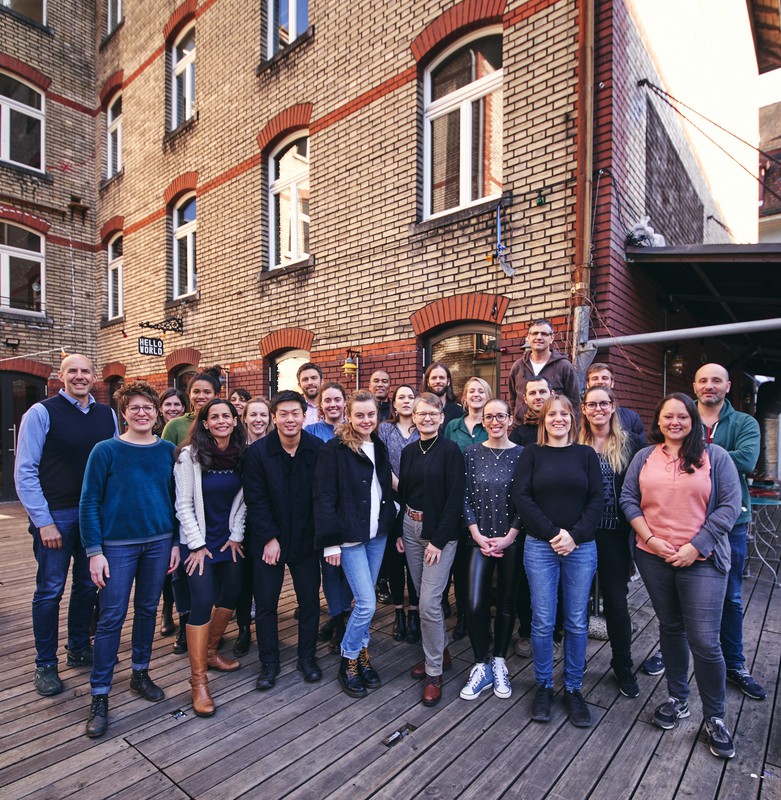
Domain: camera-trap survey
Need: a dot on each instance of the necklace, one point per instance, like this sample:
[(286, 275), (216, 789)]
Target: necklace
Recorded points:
[(497, 451), (425, 450)]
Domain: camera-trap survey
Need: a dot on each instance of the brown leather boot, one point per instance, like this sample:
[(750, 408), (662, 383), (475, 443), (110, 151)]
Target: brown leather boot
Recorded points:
[(198, 642), (219, 622)]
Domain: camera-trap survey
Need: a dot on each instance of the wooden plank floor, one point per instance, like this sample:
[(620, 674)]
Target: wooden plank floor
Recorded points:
[(311, 741)]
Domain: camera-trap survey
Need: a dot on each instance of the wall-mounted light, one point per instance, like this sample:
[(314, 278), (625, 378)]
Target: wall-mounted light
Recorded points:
[(12, 342), (351, 364), (677, 365)]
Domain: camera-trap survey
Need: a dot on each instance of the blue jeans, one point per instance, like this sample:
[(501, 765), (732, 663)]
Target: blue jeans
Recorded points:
[(688, 603), (361, 564), (145, 563), (53, 566), (544, 569), (336, 589), (732, 615)]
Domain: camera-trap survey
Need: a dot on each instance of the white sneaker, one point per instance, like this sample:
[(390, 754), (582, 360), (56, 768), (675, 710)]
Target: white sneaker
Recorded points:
[(480, 678), (502, 686)]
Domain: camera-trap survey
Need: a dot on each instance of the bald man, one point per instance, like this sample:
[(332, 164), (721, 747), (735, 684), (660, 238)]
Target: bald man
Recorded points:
[(56, 437)]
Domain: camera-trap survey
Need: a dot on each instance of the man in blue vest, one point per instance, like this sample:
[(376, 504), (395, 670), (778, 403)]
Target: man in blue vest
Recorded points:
[(55, 439)]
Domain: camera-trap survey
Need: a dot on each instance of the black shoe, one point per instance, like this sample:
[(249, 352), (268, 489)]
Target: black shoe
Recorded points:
[(327, 631), (296, 613), (168, 626), (267, 677), (383, 592), (578, 712), (399, 626), (241, 648), (743, 680), (310, 669), (413, 627), (460, 629), (46, 681), (180, 645), (80, 658), (542, 704), (446, 609), (350, 678), (141, 683), (335, 645), (369, 677), (97, 724), (627, 683)]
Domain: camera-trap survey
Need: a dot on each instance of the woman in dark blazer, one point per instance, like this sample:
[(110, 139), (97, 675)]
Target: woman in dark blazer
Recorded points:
[(354, 513), (431, 493)]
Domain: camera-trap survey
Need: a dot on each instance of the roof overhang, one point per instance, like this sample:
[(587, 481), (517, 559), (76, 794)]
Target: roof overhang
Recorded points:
[(765, 17)]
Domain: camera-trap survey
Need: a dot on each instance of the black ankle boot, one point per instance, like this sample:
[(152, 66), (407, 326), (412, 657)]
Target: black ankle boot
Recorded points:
[(350, 678), (167, 626), (459, 631), (180, 645), (413, 627), (241, 648), (97, 724), (335, 647), (327, 631), (400, 626), (142, 684)]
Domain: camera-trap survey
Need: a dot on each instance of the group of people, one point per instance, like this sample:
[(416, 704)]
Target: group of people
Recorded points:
[(542, 494)]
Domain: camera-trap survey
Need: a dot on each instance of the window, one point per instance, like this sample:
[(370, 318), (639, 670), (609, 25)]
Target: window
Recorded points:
[(288, 19), (283, 371), (21, 123), (21, 269), (184, 224), (289, 202), (183, 78), (468, 350), (114, 139), (32, 9), (116, 292), (113, 15), (462, 126)]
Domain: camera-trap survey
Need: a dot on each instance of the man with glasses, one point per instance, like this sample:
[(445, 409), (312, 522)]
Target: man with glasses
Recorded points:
[(56, 437), (599, 374), (541, 360)]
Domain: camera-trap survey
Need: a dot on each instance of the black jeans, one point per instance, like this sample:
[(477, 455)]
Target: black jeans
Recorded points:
[(614, 562), (394, 564), (244, 600), (218, 586), (480, 570), (268, 586)]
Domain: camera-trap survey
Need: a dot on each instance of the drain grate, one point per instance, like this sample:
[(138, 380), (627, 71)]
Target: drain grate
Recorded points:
[(397, 736)]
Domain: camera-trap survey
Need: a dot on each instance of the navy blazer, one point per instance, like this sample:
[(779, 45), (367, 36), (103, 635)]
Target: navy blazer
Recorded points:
[(278, 494)]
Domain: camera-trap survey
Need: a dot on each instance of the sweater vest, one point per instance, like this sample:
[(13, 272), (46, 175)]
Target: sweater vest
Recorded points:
[(71, 437)]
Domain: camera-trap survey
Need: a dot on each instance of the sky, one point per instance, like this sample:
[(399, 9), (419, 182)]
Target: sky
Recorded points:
[(769, 88)]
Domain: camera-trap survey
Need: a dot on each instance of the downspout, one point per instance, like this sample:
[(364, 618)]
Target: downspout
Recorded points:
[(581, 273)]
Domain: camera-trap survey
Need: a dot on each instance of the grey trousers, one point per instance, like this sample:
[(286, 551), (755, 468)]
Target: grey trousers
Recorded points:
[(430, 581)]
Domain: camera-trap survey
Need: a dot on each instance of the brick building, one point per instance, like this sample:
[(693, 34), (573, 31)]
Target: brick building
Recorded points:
[(256, 183)]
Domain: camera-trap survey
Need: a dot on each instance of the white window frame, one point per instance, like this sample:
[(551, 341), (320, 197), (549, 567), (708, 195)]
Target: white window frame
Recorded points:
[(6, 253), (277, 186), (115, 265), (114, 19), (460, 100), (186, 64), (8, 4), (6, 106), (186, 231), (113, 129), (292, 16)]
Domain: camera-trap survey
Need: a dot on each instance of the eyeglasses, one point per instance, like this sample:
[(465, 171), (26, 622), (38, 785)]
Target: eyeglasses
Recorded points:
[(497, 417), (141, 409), (427, 414), (602, 404)]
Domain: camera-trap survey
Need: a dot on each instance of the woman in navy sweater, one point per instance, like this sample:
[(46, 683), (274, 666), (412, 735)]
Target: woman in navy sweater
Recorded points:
[(127, 526), (557, 489)]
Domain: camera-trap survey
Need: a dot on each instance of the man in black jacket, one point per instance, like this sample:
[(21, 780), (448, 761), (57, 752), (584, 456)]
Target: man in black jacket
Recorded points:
[(278, 474)]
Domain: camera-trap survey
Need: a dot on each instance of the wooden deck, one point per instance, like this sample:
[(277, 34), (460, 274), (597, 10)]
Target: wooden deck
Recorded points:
[(311, 741)]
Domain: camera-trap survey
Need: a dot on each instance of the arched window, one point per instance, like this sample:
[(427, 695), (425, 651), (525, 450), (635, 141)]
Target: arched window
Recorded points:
[(289, 202), (184, 251), (183, 77), (468, 350), (287, 20), (114, 137), (284, 367), (115, 280), (21, 123), (462, 125), (22, 269)]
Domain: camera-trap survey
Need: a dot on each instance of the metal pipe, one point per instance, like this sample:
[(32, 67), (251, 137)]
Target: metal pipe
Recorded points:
[(703, 332)]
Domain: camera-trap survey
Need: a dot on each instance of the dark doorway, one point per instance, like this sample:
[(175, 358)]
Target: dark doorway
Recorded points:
[(17, 394)]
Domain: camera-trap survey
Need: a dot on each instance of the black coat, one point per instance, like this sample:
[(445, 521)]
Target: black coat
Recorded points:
[(443, 490), (342, 493), (278, 494)]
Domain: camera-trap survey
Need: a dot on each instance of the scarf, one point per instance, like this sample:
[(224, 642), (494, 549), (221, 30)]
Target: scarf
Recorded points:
[(223, 459)]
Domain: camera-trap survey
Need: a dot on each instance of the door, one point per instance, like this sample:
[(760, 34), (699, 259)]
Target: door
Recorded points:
[(17, 394)]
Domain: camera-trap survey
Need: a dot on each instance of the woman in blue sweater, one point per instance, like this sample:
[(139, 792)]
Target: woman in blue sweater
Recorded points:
[(127, 527)]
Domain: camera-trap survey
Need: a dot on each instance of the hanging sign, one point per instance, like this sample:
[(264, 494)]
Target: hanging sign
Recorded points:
[(150, 347)]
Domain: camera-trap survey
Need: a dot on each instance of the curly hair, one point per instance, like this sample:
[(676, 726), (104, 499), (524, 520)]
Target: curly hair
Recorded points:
[(199, 439), (136, 388)]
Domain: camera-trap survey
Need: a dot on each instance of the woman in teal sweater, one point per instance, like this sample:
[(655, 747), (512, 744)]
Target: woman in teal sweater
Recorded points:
[(128, 524)]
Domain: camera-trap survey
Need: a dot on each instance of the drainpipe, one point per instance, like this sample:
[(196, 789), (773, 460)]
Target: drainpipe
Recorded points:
[(581, 273)]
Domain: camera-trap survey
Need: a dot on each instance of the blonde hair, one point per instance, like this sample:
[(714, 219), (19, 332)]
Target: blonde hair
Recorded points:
[(345, 433), (616, 449), (542, 431), (474, 379)]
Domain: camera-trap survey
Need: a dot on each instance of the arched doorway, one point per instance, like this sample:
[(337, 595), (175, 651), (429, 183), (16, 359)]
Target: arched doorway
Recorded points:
[(468, 350)]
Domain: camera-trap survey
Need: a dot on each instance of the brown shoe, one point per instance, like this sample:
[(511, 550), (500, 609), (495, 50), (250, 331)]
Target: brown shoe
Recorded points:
[(219, 621), (418, 672), (198, 638), (432, 691)]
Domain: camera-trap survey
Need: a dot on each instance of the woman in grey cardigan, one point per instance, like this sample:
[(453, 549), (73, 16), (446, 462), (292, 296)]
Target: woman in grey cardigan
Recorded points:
[(682, 498)]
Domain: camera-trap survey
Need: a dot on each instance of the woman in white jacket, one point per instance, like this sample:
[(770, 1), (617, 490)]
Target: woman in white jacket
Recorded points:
[(211, 512)]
